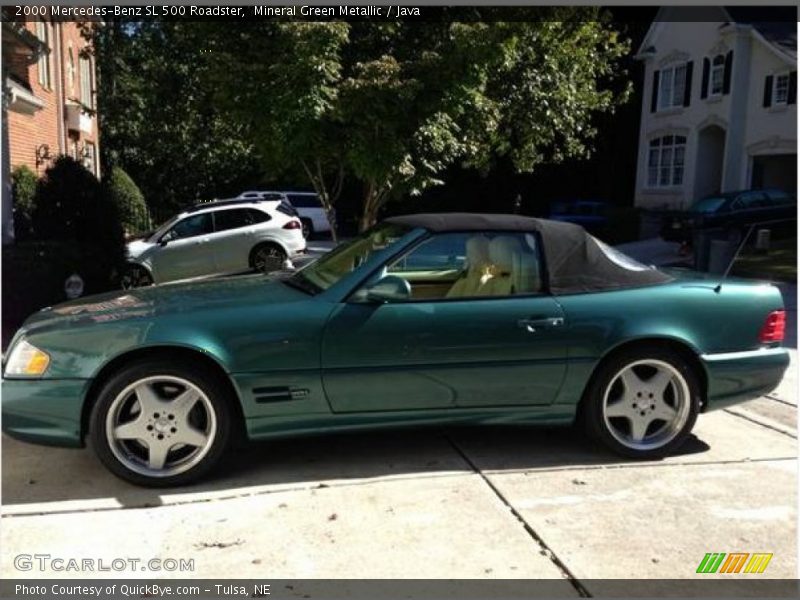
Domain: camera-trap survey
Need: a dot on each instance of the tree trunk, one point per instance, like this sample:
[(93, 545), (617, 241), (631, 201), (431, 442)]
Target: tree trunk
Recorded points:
[(369, 212), (327, 198)]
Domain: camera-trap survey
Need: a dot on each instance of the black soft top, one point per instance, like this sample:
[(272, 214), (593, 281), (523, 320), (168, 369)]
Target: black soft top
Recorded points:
[(576, 261)]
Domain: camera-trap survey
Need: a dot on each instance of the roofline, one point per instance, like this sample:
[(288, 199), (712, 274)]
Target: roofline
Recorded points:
[(642, 54), (776, 49)]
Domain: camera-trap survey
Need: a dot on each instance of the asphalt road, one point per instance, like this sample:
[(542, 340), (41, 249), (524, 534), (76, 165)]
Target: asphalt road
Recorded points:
[(461, 503)]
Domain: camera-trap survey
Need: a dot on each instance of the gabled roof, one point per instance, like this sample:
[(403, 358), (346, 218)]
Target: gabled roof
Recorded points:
[(774, 26)]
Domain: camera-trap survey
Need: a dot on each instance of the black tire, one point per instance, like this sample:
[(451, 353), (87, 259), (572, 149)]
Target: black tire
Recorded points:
[(308, 227), (216, 392), (592, 414), (135, 276), (267, 257)]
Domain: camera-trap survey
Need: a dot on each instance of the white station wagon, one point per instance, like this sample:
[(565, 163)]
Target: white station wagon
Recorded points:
[(226, 236)]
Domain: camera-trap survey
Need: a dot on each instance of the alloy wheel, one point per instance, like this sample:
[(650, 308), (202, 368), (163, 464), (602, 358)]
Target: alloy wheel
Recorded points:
[(268, 258), (646, 404), (134, 277), (161, 426)]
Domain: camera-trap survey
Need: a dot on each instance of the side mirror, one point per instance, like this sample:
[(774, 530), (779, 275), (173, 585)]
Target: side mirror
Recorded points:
[(162, 242), (387, 289)]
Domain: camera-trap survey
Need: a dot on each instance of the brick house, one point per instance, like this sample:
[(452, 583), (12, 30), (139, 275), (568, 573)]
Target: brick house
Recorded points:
[(49, 100)]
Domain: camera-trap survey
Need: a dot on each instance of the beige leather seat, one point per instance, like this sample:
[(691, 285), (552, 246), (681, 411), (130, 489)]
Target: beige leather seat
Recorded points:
[(525, 273), (477, 254), (503, 251)]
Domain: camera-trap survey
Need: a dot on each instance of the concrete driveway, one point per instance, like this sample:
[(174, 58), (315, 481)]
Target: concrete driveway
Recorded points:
[(462, 503)]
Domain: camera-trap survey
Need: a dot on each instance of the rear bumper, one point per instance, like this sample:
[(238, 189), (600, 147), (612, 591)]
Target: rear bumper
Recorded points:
[(735, 377), (44, 411)]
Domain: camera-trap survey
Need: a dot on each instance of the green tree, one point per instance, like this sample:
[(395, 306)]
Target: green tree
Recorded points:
[(158, 118), (394, 104), (123, 193), (23, 184)]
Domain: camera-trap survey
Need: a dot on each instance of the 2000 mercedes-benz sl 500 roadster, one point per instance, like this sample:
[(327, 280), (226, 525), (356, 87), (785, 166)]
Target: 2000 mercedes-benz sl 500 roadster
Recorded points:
[(424, 319)]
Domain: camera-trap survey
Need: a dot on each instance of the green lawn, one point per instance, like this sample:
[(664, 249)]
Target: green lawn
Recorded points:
[(780, 263)]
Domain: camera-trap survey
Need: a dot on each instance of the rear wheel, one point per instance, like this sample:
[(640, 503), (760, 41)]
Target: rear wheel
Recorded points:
[(159, 425), (308, 228), (643, 403), (267, 258), (135, 276)]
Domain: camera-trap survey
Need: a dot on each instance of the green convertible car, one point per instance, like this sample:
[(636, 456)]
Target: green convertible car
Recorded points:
[(424, 319)]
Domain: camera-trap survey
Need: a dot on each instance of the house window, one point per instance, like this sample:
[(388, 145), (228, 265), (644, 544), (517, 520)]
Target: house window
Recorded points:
[(43, 33), (717, 75), (781, 91), (90, 157), (86, 82), (672, 87), (665, 161)]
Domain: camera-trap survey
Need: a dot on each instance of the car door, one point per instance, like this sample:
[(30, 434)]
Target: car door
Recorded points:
[(434, 351), (185, 250), (234, 237)]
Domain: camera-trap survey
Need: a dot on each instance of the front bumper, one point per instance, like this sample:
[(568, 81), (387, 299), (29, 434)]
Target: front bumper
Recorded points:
[(735, 377), (44, 411)]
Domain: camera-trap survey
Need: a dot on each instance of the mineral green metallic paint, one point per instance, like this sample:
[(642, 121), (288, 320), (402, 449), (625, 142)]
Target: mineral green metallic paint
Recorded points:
[(350, 366)]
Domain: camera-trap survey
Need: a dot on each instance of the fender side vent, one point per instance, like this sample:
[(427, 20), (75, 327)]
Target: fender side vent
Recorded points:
[(278, 394)]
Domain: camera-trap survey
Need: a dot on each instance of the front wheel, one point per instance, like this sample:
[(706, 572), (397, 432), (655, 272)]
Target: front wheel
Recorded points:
[(135, 276), (643, 403), (159, 425)]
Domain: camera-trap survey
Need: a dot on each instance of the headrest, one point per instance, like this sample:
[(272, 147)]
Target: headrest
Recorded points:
[(477, 249), (502, 250)]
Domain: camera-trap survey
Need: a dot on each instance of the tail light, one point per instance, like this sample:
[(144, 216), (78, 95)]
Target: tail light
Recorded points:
[(774, 327), (293, 224)]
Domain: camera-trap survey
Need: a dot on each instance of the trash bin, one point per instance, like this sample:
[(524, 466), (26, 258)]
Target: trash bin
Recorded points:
[(720, 255)]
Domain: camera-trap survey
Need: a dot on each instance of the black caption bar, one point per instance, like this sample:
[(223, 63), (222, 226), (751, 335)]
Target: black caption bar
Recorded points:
[(380, 589)]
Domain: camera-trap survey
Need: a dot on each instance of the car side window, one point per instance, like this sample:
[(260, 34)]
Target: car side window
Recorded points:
[(750, 200), (189, 227), (304, 201), (225, 220), (780, 198), (471, 265)]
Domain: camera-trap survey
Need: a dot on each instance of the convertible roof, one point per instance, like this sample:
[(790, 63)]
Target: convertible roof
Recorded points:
[(576, 261)]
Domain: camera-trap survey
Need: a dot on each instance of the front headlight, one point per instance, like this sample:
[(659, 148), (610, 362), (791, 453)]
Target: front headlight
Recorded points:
[(26, 359)]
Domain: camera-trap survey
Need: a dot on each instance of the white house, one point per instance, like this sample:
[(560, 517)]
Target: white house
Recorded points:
[(719, 109)]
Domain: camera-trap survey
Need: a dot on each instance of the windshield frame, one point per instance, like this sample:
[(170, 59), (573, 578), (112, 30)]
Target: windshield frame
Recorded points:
[(342, 287)]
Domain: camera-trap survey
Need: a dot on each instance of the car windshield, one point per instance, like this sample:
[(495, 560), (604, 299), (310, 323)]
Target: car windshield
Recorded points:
[(708, 205), (346, 258)]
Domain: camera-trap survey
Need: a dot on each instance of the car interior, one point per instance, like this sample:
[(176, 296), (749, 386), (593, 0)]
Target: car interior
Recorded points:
[(478, 265)]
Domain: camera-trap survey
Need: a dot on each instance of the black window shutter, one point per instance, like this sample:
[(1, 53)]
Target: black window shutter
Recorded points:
[(654, 95), (792, 98), (726, 80), (706, 75), (687, 90), (768, 91)]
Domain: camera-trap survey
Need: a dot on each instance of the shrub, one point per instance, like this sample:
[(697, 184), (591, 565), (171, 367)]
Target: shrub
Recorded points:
[(123, 193), (70, 207), (23, 187)]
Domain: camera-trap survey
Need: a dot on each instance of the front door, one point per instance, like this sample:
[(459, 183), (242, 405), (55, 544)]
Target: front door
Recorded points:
[(496, 343), (186, 250)]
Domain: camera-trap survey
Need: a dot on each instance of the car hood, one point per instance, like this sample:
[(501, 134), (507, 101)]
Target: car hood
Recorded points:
[(165, 299)]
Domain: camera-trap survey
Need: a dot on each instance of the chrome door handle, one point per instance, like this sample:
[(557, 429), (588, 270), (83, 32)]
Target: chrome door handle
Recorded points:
[(533, 324)]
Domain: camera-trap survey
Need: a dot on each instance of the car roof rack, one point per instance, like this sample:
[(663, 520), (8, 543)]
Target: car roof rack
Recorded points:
[(273, 197)]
